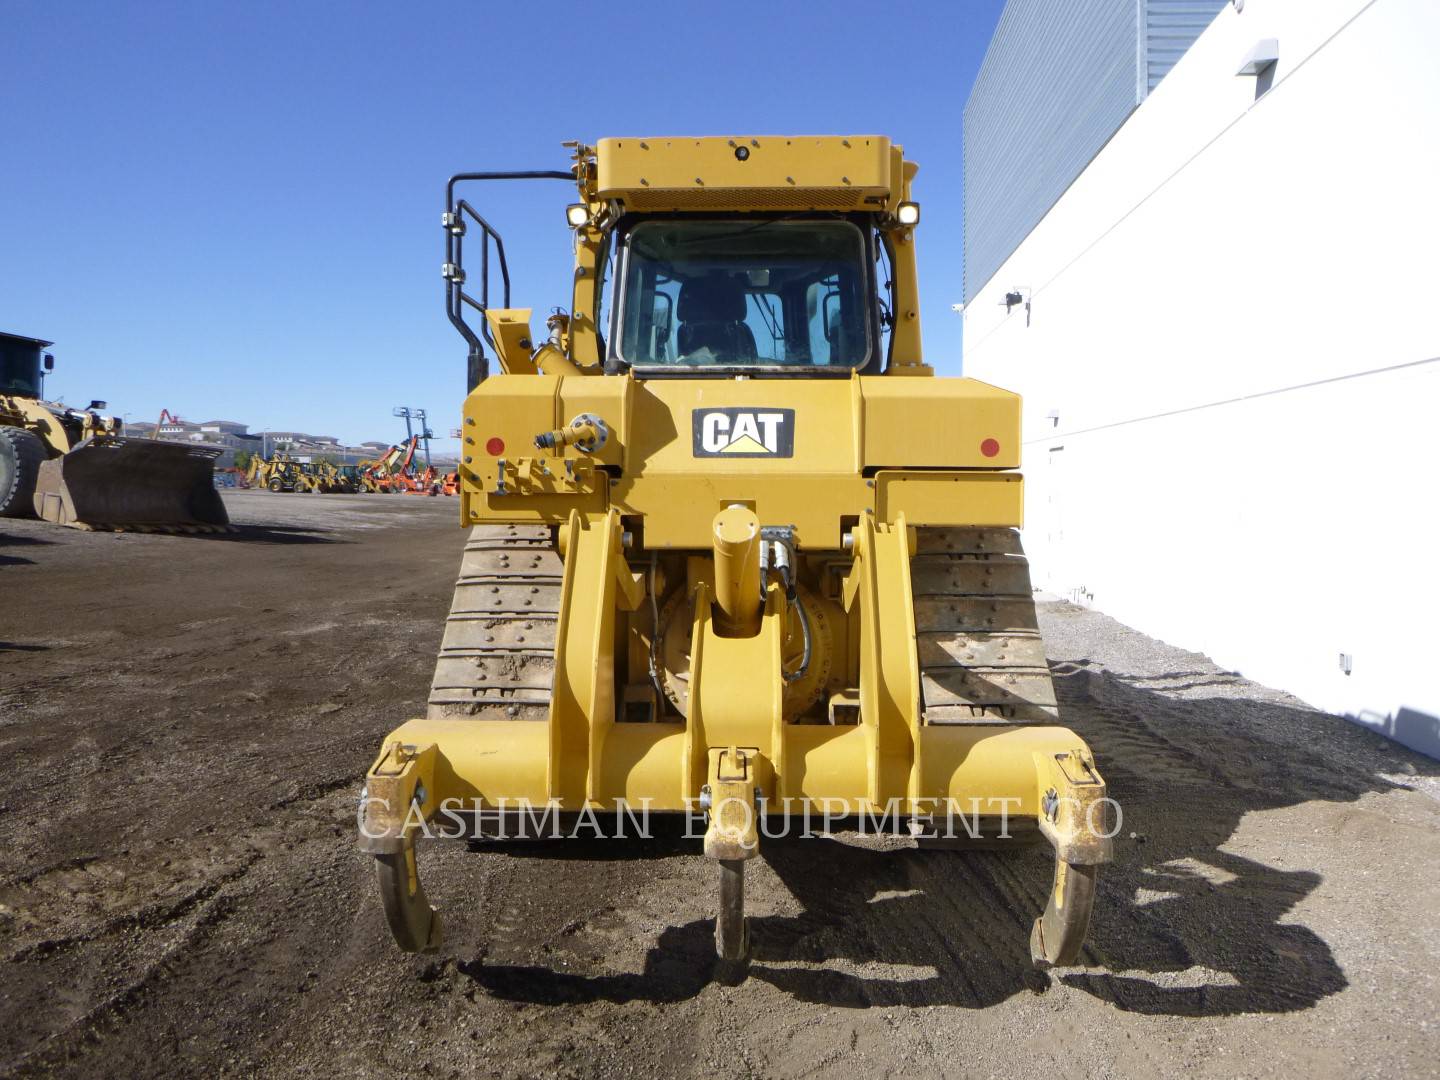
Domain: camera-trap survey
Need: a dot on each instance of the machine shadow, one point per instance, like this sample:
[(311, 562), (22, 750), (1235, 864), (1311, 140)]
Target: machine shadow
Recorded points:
[(663, 836), (272, 534), (678, 967), (14, 540), (1181, 927)]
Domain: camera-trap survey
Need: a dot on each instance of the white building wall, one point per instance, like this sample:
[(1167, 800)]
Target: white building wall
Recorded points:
[(1235, 322)]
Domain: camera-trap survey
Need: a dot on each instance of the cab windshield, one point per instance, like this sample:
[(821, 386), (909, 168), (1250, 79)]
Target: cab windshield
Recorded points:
[(19, 368), (744, 293)]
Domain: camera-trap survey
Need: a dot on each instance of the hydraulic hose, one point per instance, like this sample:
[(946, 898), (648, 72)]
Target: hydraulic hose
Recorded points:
[(799, 672)]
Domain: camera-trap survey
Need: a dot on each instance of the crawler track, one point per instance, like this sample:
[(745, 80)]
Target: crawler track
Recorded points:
[(981, 657), (497, 658)]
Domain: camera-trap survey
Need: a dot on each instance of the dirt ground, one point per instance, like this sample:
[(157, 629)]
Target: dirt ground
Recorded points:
[(184, 722)]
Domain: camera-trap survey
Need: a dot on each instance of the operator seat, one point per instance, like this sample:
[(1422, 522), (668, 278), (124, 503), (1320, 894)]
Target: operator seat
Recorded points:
[(711, 314)]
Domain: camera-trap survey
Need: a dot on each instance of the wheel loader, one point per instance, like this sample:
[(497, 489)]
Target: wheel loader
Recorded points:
[(76, 467), (735, 550)]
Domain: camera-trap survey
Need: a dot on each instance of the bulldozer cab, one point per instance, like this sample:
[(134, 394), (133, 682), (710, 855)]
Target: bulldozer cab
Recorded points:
[(703, 258), (752, 295)]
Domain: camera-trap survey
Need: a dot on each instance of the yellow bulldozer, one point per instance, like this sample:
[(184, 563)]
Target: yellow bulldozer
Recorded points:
[(76, 467), (735, 551)]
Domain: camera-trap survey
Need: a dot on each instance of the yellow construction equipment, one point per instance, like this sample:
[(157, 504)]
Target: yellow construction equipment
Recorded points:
[(76, 467), (396, 470), (284, 473), (370, 480), (270, 473), (734, 549), (343, 479)]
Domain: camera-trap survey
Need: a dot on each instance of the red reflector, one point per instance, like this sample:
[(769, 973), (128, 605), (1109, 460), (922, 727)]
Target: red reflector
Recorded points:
[(495, 446), (989, 448)]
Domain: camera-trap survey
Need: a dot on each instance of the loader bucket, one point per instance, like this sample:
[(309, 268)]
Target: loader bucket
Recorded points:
[(120, 483)]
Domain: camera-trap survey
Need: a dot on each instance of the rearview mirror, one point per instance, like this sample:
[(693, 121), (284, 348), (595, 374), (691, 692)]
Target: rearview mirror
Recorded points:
[(49, 361)]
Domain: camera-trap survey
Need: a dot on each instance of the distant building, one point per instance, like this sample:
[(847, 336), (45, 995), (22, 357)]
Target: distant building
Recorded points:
[(182, 430), (306, 447), (225, 427), (234, 436)]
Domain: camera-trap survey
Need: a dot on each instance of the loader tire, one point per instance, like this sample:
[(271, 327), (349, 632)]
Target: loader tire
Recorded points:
[(21, 455)]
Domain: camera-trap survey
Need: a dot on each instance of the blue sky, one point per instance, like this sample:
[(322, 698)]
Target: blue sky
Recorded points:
[(232, 210)]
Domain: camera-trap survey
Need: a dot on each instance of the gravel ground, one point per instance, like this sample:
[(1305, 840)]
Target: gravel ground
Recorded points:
[(186, 719)]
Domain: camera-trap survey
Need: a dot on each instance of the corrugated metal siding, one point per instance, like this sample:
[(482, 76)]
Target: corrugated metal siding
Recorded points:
[(1171, 27), (1059, 78)]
